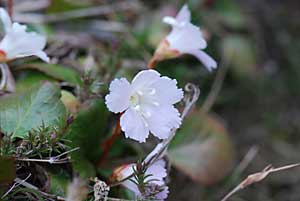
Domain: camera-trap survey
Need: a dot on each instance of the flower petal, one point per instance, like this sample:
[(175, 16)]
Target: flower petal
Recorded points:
[(182, 17), (19, 43), (165, 84), (170, 20), (134, 126), (184, 14), (163, 194), (144, 79), (163, 120), (126, 172), (6, 21), (207, 60), (42, 55), (158, 172), (118, 98), (185, 38)]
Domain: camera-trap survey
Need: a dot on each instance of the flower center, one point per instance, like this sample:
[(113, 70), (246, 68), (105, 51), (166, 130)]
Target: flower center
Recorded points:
[(143, 97), (134, 100)]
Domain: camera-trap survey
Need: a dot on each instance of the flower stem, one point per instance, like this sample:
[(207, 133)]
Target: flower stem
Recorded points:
[(152, 63), (107, 144), (10, 4)]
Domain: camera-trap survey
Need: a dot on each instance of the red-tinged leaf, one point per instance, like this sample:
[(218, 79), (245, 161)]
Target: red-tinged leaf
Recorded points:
[(201, 147)]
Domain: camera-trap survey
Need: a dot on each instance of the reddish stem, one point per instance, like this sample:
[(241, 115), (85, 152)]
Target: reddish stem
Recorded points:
[(152, 63), (107, 144), (10, 4)]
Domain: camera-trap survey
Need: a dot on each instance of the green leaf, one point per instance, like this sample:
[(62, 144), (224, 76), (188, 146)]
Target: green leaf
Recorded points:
[(86, 132), (56, 71), (31, 78), (200, 148), (29, 110), (7, 169)]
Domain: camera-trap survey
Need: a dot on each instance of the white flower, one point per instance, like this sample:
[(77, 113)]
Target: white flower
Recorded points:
[(157, 172), (147, 103), (17, 42), (184, 38)]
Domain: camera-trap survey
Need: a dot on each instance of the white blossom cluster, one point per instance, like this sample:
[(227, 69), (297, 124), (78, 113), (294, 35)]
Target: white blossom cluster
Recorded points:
[(147, 103)]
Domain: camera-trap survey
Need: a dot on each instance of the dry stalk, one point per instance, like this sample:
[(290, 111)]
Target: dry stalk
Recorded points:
[(257, 177)]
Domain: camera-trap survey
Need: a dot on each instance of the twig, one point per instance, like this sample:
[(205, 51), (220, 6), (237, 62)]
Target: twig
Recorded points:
[(65, 160), (216, 86), (66, 152), (30, 186), (257, 177), (16, 184), (30, 6), (108, 26), (189, 100), (51, 160), (80, 13), (248, 158), (107, 144)]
